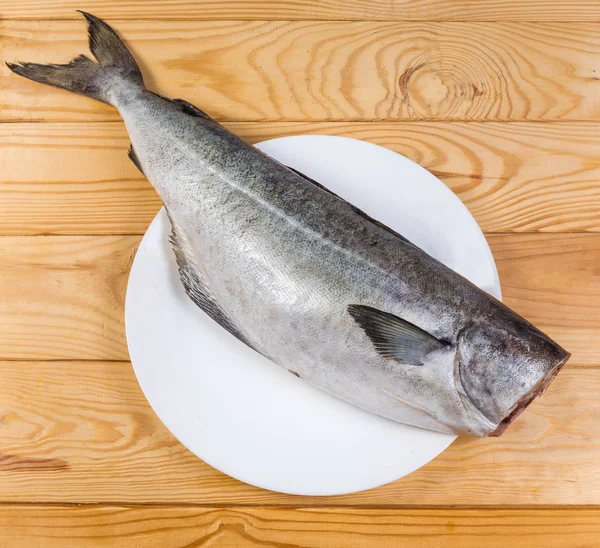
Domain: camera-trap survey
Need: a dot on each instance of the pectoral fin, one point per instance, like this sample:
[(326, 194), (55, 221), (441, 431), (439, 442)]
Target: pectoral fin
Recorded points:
[(393, 337)]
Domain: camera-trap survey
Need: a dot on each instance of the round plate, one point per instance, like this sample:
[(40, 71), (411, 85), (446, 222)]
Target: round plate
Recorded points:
[(248, 417)]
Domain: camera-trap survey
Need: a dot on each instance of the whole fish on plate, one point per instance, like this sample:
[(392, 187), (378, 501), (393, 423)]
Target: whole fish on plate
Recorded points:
[(307, 279)]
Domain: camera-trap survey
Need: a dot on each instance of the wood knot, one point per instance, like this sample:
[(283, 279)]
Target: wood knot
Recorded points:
[(404, 79)]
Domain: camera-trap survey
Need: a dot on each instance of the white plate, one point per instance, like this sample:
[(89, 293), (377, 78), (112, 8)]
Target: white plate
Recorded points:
[(245, 415)]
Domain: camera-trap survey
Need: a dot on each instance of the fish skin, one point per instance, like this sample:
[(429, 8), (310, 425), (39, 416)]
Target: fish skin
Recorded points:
[(282, 260)]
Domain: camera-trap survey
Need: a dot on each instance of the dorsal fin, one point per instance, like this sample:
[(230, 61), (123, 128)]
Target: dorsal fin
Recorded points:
[(394, 337), (186, 107), (354, 208), (190, 109), (196, 286)]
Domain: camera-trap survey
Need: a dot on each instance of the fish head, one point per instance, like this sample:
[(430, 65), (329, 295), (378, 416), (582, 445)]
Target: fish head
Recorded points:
[(504, 363)]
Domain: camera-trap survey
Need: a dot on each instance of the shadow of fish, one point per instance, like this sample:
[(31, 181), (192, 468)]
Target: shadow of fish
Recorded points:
[(307, 279)]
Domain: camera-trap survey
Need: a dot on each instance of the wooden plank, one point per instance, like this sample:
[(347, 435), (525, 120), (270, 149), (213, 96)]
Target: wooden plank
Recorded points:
[(329, 70), (63, 296), (82, 432), (552, 282), (395, 10), (241, 527), (71, 178)]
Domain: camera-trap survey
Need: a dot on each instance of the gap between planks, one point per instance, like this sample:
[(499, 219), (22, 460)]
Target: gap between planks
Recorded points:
[(382, 121), (314, 10), (113, 234), (142, 20), (128, 363), (298, 506)]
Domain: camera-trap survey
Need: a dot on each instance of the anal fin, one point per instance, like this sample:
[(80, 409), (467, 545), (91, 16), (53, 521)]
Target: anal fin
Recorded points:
[(196, 286)]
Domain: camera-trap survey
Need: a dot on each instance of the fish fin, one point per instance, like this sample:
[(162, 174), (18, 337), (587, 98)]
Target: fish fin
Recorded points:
[(134, 158), (186, 107), (82, 75), (353, 207), (190, 109), (196, 286), (316, 183), (394, 337), (161, 96)]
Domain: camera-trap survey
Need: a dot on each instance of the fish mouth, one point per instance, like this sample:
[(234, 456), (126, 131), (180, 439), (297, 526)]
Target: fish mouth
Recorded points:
[(526, 400)]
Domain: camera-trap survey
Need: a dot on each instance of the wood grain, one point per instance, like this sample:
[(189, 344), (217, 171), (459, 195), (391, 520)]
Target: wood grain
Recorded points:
[(329, 70), (373, 10), (241, 527), (434, 81), (63, 296), (71, 178), (554, 281), (82, 432)]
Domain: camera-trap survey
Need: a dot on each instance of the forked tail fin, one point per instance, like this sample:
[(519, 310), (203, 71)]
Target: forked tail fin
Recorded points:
[(82, 75)]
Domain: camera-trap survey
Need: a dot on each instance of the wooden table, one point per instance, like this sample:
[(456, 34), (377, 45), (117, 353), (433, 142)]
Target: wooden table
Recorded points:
[(501, 100)]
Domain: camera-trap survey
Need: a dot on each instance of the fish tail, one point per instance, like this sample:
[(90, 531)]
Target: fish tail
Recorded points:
[(84, 76)]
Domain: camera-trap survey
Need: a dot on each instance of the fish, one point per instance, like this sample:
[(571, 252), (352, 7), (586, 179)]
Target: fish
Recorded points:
[(307, 279)]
